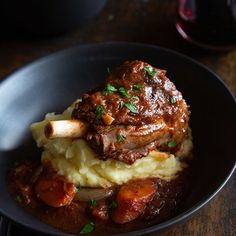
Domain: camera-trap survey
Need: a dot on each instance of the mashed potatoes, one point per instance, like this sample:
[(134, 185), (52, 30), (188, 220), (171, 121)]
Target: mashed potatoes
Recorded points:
[(75, 160)]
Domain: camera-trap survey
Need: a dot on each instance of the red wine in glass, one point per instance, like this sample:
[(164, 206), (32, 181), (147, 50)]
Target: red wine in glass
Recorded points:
[(208, 23)]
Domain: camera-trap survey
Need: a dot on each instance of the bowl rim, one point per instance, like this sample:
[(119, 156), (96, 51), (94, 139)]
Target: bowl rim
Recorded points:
[(172, 221)]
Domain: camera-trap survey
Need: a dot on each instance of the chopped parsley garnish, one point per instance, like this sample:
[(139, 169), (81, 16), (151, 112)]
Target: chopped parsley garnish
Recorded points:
[(18, 199), (88, 228), (172, 100), (93, 203), (120, 138), (99, 111), (150, 71), (131, 107), (76, 189), (113, 204), (108, 70), (137, 87), (104, 92), (109, 89), (123, 92), (136, 98), (171, 144)]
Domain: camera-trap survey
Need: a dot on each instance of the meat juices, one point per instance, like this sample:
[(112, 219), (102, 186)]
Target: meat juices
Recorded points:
[(144, 108), (156, 200)]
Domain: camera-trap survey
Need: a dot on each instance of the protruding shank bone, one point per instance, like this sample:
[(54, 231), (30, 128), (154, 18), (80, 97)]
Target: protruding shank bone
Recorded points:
[(65, 129)]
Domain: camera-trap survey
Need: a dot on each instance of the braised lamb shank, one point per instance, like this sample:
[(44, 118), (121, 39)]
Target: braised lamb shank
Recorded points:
[(137, 110)]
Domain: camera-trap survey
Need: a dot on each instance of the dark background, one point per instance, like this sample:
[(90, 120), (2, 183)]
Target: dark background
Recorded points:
[(145, 21)]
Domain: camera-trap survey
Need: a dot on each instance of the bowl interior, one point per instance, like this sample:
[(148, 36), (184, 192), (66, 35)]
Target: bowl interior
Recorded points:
[(53, 83)]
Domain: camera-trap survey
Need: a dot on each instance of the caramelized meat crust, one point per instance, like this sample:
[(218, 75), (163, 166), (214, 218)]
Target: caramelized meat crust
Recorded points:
[(138, 109)]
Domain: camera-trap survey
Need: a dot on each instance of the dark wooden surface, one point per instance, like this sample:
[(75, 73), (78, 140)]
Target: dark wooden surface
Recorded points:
[(146, 21)]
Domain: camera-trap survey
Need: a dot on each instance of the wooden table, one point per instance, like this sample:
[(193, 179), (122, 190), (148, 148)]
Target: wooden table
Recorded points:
[(145, 21)]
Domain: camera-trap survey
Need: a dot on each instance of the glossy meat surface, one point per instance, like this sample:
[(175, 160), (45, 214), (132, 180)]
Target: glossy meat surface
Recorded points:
[(137, 110)]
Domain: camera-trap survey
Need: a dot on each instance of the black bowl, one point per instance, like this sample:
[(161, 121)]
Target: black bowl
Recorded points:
[(47, 17), (54, 82)]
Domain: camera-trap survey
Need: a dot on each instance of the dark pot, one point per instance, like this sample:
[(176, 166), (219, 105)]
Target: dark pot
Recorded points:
[(50, 16)]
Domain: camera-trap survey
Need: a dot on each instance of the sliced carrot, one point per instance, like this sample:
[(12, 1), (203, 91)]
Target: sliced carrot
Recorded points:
[(107, 119), (132, 199), (54, 190)]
